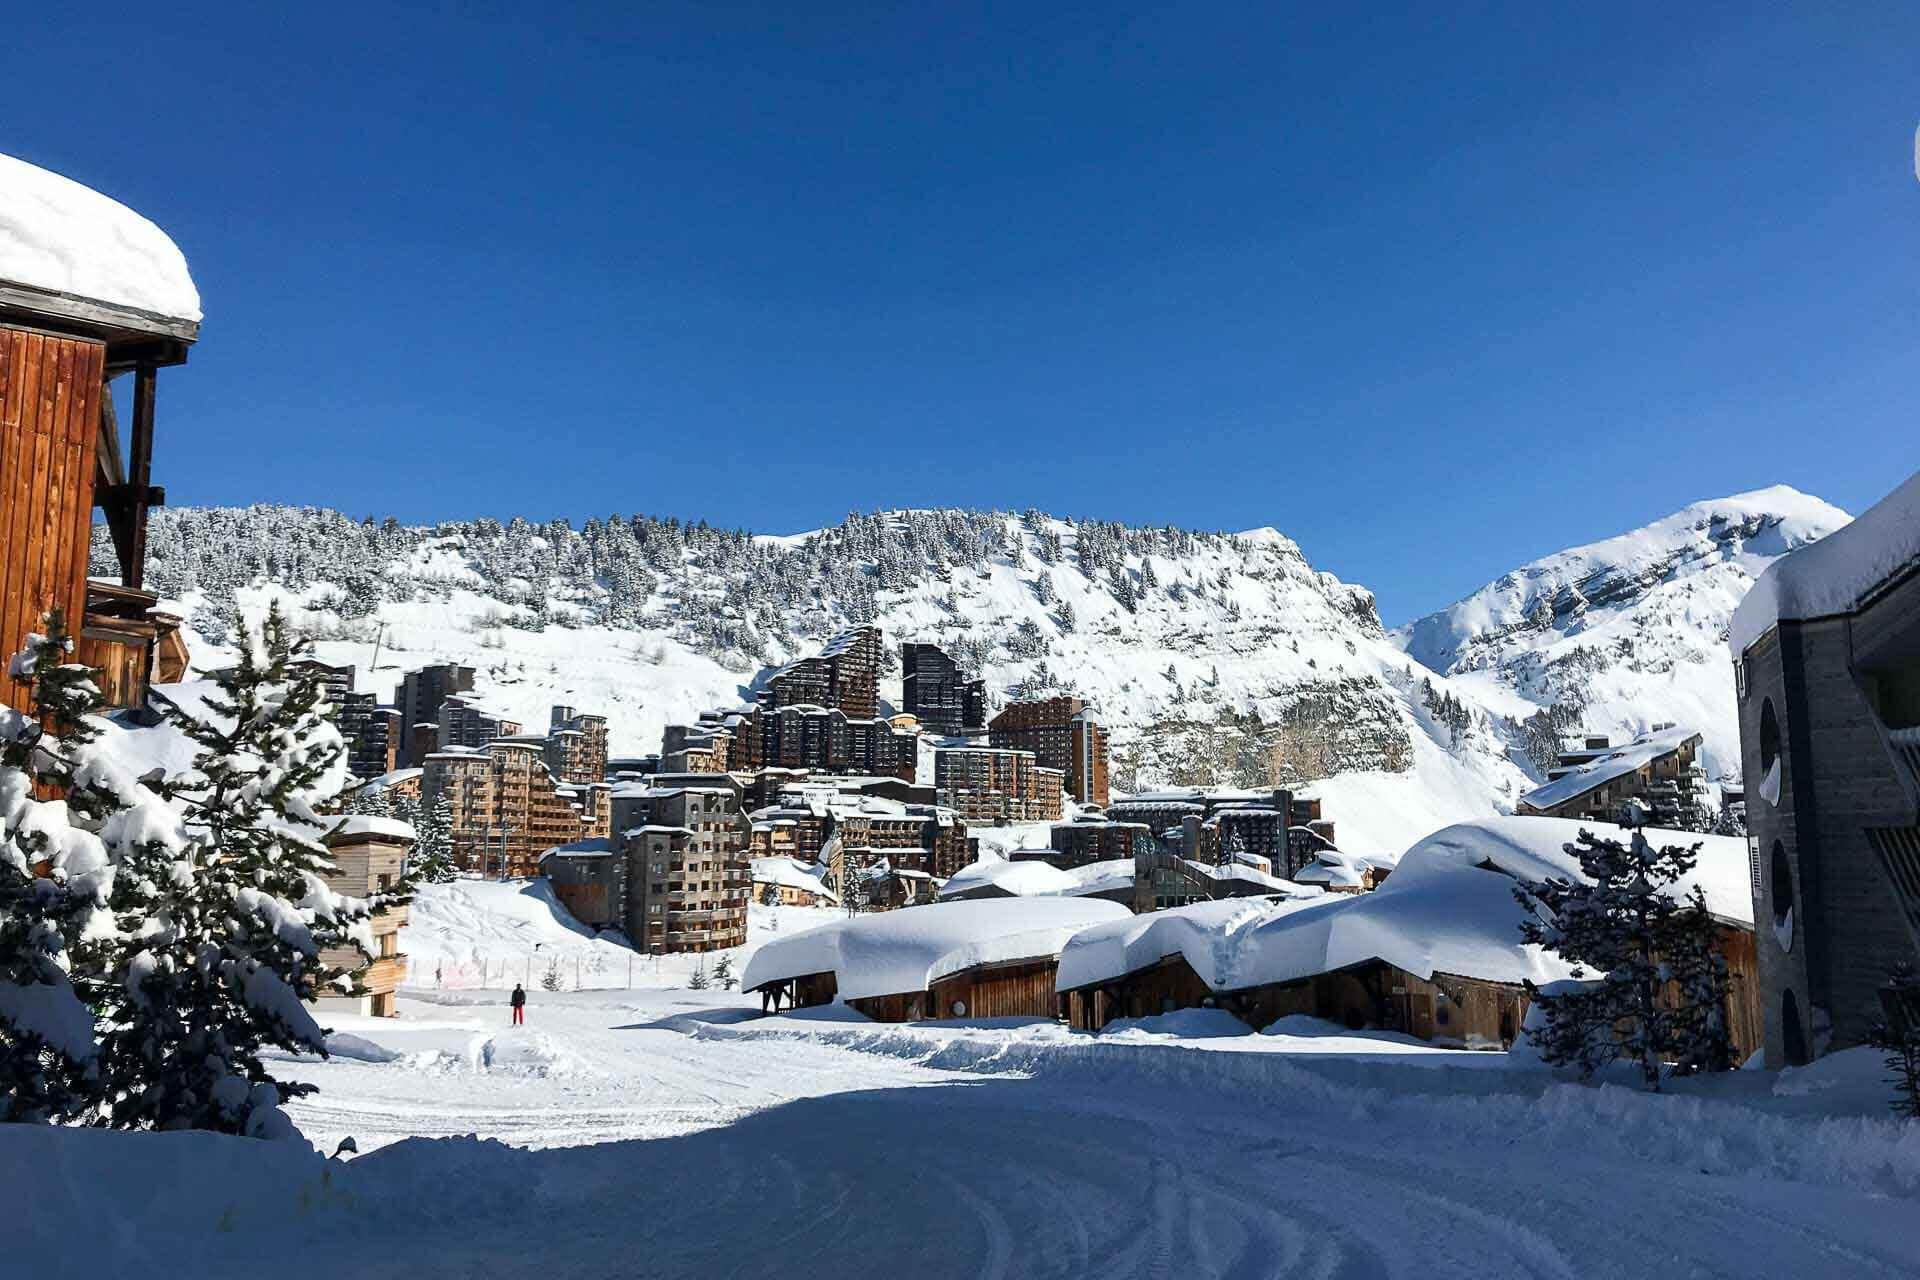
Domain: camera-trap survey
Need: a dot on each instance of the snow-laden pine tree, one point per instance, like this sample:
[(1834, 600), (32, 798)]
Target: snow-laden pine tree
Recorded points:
[(55, 877), (1650, 983), (225, 935), (432, 861)]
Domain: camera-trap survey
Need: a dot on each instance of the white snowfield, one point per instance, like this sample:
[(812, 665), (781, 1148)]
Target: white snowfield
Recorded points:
[(58, 235), (895, 952), (1833, 574), (657, 1134)]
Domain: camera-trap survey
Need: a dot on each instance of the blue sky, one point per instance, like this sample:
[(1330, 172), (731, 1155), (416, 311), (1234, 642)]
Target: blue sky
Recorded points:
[(1434, 291)]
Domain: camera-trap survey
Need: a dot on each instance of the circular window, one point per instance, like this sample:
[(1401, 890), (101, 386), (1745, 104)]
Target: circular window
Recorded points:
[(1780, 877), (959, 1008)]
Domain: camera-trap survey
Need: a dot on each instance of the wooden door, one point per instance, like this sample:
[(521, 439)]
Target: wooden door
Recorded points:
[(49, 430)]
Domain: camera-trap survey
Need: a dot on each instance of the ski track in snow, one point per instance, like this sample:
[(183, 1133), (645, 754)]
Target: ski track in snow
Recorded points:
[(679, 1141)]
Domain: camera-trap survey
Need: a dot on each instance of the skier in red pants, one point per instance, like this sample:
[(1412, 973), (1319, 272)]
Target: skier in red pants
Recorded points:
[(519, 1003)]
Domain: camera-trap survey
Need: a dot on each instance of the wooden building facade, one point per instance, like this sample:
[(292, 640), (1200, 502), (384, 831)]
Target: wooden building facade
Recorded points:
[(60, 458)]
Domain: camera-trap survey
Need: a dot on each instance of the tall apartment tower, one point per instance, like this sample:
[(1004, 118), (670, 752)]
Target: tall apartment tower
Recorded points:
[(577, 746), (418, 697), (1063, 734), (843, 676), (938, 693)]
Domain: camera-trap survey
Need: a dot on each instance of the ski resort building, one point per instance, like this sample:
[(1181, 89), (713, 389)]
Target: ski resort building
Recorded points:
[(465, 723), (1062, 734), (369, 857), (1090, 837), (990, 959), (577, 746), (689, 871), (418, 697), (996, 785), (1827, 664), (1660, 769), (827, 740), (372, 733), (507, 808), (938, 694), (90, 293), (843, 676)]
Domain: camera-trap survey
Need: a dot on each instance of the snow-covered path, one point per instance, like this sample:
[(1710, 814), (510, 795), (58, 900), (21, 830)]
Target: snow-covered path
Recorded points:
[(796, 1147)]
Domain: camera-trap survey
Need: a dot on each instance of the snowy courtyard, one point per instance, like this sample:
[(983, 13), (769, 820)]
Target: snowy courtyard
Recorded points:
[(667, 1132)]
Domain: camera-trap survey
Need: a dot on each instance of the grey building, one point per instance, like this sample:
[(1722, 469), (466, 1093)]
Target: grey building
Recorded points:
[(938, 693), (418, 697), (1827, 671)]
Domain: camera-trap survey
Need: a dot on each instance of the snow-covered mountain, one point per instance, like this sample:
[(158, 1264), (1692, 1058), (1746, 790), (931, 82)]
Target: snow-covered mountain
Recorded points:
[(1215, 659), (1619, 634)]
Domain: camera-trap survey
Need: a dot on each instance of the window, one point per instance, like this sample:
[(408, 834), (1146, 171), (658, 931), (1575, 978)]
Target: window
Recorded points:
[(1780, 876), (1770, 762)]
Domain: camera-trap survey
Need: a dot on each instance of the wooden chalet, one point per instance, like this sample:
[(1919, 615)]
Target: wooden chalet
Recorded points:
[(63, 355)]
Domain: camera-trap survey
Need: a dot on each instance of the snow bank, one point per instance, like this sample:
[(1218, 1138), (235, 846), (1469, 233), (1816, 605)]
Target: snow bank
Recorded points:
[(1831, 575), (60, 236), (907, 950)]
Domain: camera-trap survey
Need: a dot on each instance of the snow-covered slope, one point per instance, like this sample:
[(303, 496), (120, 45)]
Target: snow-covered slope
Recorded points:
[(1621, 634), (1213, 658)]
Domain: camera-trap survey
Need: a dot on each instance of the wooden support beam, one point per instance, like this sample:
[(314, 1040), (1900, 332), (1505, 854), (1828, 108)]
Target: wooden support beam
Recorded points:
[(140, 475)]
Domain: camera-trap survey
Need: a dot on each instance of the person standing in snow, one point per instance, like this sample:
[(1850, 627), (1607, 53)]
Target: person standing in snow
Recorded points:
[(519, 1003)]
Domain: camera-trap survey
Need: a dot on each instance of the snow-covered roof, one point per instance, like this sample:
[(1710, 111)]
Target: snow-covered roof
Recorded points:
[(385, 780), (1834, 574), (591, 847), (907, 950), (790, 874), (367, 824), (1016, 879), (1535, 848), (1617, 763), (59, 236), (1438, 913)]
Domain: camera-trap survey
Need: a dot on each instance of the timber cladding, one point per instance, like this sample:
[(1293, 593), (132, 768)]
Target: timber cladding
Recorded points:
[(50, 390)]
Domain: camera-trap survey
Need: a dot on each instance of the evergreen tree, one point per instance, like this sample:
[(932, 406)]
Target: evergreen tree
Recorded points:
[(1627, 927), (698, 981), (723, 973), (1897, 1036), (225, 934), (432, 861), (54, 882)]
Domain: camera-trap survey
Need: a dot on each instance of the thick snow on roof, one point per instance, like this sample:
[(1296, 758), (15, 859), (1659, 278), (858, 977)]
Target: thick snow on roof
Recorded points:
[(1616, 763), (1535, 848), (1195, 931), (1102, 877), (906, 950), (1831, 575), (367, 824), (1019, 879), (792, 875), (1438, 913), (386, 780), (60, 236)]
